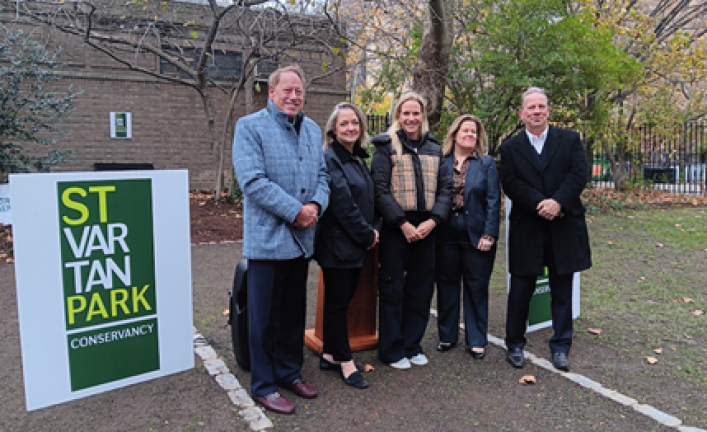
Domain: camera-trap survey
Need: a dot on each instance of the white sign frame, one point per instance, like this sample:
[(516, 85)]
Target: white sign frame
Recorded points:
[(128, 125), (38, 277)]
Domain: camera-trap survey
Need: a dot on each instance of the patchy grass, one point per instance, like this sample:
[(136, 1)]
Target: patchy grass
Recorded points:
[(649, 275), (647, 280)]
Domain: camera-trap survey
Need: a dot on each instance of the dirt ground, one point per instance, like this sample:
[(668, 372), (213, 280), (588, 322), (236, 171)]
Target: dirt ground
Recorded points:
[(452, 393)]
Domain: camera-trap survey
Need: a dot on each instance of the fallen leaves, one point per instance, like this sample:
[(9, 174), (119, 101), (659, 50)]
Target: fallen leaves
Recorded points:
[(595, 331), (658, 350), (368, 368), (226, 312), (684, 300), (660, 245), (651, 360), (697, 312), (527, 380)]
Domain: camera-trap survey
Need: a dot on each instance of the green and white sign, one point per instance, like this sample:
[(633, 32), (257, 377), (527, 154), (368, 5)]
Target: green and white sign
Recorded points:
[(121, 125), (539, 314), (108, 254)]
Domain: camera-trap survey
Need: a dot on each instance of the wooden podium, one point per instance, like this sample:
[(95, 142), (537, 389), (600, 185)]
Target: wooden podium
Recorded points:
[(362, 311)]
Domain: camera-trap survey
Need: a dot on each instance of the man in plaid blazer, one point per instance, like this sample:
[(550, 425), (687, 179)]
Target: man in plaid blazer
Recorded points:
[(279, 163)]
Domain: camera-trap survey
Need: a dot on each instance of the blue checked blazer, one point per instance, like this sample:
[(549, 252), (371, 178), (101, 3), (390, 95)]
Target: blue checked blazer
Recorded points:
[(278, 172)]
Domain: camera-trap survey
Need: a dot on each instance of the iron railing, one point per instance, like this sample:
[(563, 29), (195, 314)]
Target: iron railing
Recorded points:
[(672, 159)]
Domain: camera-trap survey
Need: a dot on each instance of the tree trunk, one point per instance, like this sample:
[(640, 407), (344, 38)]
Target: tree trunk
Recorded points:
[(249, 92), (432, 64), (230, 120), (209, 110)]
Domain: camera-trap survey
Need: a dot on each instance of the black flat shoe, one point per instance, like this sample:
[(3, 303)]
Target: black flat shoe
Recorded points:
[(515, 357), (355, 380), (478, 355), (445, 346), (326, 365)]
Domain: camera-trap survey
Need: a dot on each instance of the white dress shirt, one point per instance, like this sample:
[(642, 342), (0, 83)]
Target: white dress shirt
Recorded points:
[(538, 142)]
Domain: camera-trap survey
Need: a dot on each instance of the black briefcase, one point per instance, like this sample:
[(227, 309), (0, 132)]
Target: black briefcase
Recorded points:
[(238, 317)]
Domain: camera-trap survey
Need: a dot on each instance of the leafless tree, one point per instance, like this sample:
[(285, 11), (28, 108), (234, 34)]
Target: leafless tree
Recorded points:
[(186, 38)]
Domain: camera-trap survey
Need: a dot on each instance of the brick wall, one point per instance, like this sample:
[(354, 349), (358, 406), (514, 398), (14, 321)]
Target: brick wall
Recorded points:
[(169, 128)]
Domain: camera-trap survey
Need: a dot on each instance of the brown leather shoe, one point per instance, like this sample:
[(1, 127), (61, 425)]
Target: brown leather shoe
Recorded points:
[(276, 402), (301, 389)]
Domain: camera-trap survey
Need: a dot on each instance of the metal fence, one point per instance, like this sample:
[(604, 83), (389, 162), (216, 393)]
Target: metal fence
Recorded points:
[(377, 124), (672, 159)]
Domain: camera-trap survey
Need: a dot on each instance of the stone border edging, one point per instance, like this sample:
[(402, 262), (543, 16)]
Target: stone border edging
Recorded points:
[(253, 415), (257, 420), (661, 417)]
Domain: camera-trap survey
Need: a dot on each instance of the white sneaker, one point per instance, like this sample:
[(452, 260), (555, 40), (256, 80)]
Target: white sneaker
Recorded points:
[(419, 360), (401, 364)]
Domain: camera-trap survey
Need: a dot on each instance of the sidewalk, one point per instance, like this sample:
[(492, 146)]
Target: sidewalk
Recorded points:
[(452, 393)]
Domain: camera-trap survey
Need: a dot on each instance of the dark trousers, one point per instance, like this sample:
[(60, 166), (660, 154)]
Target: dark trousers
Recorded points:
[(405, 289), (522, 289), (276, 316), (339, 288), (460, 264)]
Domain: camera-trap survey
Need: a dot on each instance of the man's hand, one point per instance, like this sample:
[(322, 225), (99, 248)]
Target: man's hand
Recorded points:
[(307, 216), (549, 209)]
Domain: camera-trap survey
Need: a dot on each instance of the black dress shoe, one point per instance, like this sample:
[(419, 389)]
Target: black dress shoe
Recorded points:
[(478, 355), (445, 346), (560, 361), (326, 365), (355, 380), (515, 357)]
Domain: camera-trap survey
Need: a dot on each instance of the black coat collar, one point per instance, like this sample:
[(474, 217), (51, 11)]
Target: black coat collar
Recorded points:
[(343, 154), (527, 150)]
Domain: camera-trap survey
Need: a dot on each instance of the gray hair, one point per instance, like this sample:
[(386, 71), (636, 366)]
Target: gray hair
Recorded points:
[(274, 78), (532, 90), (329, 136)]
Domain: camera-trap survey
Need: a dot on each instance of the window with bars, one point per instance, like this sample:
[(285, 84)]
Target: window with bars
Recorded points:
[(220, 65)]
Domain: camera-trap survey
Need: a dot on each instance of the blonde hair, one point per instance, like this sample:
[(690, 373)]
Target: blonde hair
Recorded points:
[(395, 126), (481, 138), (329, 135), (274, 78)]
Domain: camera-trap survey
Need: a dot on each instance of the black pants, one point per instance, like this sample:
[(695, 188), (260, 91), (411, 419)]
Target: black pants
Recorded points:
[(277, 301), (405, 289), (522, 289), (339, 288), (460, 264)]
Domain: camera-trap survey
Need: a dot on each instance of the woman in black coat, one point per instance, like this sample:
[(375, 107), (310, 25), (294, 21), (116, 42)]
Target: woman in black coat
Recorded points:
[(413, 189), (346, 231), (468, 243)]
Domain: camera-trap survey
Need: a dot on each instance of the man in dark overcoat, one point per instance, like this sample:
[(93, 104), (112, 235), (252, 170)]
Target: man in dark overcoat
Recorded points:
[(543, 171)]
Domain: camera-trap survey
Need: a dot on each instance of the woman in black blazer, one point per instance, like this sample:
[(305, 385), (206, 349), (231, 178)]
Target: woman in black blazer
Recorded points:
[(468, 245), (346, 231)]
